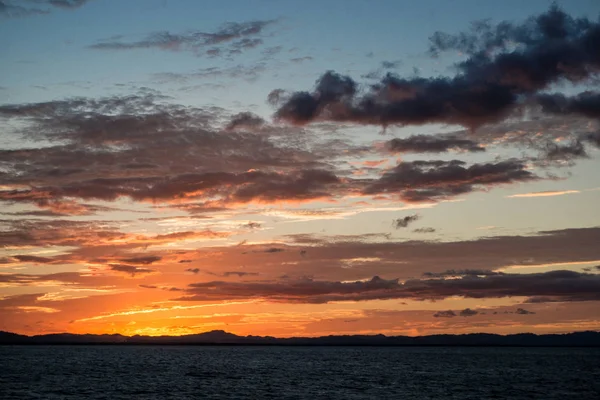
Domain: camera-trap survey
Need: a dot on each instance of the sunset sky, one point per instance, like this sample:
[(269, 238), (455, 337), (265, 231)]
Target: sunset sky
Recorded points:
[(299, 168)]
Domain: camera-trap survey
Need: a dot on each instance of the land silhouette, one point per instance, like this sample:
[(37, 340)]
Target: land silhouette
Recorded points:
[(219, 337)]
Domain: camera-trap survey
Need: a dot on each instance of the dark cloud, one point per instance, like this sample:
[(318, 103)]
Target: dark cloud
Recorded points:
[(240, 274), (67, 3), (299, 60), (301, 185), (301, 291), (11, 10), (494, 80), (14, 9), (522, 311), (479, 257), (148, 286), (532, 133), (130, 269), (593, 138), (467, 312), (555, 152), (586, 104), (142, 260), (424, 230), (273, 250), (237, 35), (405, 221), (33, 259), (225, 274), (391, 64), (567, 285), (486, 37), (252, 225), (541, 299), (245, 121), (70, 278), (445, 314), (417, 181), (276, 96), (257, 186), (461, 273), (431, 144)]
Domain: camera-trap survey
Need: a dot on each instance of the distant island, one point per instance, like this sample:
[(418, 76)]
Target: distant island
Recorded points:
[(218, 337)]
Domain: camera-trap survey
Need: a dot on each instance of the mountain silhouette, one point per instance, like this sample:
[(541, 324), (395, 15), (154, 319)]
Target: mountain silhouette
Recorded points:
[(219, 337)]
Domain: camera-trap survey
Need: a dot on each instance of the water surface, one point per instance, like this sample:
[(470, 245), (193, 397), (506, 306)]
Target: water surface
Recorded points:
[(230, 372)]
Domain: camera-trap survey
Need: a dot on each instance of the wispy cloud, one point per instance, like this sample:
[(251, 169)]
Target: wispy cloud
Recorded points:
[(24, 8), (548, 193), (230, 39)]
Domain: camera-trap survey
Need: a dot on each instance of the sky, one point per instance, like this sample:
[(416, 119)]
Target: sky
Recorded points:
[(299, 168)]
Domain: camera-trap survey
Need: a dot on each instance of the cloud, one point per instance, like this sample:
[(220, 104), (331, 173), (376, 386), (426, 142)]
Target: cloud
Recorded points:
[(564, 153), (302, 185), (302, 291), (240, 274), (225, 274), (467, 312), (300, 60), (237, 35), (542, 299), (252, 225), (14, 9), (418, 181), (97, 139), (494, 80), (586, 104), (245, 120), (391, 64), (404, 222), (431, 144), (33, 259), (72, 280), (460, 273), (10, 10), (424, 230), (522, 311), (148, 286), (24, 233), (130, 269), (593, 138), (67, 3), (253, 186), (247, 72), (548, 193), (567, 285), (142, 260), (445, 314)]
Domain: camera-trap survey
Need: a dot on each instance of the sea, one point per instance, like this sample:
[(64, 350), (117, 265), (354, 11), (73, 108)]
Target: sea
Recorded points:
[(257, 372)]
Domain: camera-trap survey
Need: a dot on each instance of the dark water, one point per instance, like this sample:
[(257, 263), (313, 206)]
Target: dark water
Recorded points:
[(154, 372)]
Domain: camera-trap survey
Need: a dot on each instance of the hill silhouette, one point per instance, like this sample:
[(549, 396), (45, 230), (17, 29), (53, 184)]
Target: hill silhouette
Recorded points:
[(219, 337)]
